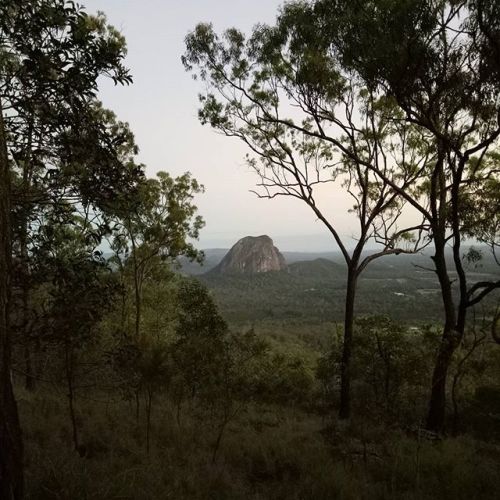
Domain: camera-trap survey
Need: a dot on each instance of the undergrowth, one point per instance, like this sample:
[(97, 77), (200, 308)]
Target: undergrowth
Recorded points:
[(267, 452)]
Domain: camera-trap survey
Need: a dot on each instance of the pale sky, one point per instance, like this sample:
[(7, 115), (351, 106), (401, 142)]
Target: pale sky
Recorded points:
[(161, 108)]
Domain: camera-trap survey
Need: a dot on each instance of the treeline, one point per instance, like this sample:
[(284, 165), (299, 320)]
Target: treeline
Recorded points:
[(314, 291)]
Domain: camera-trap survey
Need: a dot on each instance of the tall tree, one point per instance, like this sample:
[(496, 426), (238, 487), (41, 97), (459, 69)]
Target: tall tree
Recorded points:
[(55, 174), (307, 123), (51, 56), (438, 61), (157, 226)]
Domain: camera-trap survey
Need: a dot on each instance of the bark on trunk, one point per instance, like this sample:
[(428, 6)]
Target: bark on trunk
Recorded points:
[(148, 418), (69, 364), (11, 445), (345, 374), (29, 379), (137, 290), (25, 268), (436, 415)]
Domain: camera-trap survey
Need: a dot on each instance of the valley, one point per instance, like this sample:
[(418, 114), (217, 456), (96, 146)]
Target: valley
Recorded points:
[(312, 288)]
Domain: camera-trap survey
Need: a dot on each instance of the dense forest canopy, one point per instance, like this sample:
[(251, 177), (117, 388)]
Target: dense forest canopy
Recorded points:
[(123, 377)]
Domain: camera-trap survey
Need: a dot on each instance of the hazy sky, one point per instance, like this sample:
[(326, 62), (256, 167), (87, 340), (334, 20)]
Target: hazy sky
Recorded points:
[(161, 107)]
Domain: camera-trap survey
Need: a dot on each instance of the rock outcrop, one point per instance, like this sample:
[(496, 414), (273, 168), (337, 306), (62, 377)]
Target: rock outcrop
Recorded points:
[(250, 255)]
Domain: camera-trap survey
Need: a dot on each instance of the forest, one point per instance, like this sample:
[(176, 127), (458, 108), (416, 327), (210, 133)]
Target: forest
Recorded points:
[(128, 372)]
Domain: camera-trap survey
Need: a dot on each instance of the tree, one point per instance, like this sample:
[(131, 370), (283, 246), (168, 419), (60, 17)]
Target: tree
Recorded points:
[(307, 123), (200, 333), (438, 61), (436, 67), (212, 364), (51, 56), (11, 448), (80, 289), (393, 362), (156, 226), (54, 175)]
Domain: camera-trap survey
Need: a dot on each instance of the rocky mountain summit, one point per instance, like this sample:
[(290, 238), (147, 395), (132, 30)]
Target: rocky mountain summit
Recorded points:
[(250, 255)]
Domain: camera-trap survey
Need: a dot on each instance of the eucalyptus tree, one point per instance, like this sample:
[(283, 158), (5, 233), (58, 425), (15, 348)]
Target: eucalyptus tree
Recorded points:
[(155, 226), (308, 124), (68, 173), (51, 56), (438, 60), (78, 291)]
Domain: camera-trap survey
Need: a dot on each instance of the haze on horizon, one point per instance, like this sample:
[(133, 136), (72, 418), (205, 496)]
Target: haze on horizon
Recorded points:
[(161, 107)]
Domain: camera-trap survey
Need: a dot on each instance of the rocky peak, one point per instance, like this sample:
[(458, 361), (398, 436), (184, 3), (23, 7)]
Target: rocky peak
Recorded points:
[(252, 254)]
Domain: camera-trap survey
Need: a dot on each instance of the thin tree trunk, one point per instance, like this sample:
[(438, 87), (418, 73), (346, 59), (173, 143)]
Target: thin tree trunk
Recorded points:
[(11, 443), (137, 314), (124, 307), (218, 441), (71, 394), (345, 367), (25, 268), (137, 405), (457, 378), (29, 379), (148, 418), (137, 288)]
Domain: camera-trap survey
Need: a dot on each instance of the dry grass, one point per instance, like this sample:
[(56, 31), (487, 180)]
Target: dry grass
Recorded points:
[(267, 453)]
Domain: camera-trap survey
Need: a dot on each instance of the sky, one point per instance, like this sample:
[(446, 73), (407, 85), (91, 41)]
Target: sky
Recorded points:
[(161, 108)]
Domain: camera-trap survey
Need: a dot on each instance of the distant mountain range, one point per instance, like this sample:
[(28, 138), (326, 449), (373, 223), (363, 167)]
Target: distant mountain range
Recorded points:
[(408, 262), (311, 287)]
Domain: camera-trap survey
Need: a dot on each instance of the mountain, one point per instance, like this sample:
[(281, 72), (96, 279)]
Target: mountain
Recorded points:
[(213, 256), (384, 267), (321, 269), (251, 255)]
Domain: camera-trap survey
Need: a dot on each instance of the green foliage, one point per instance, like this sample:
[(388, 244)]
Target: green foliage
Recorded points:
[(146, 389), (162, 218), (253, 82), (199, 351), (392, 363)]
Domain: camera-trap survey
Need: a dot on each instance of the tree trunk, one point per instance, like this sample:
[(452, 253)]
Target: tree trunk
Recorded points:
[(69, 365), (149, 405), (29, 379), (137, 288), (437, 405), (11, 444), (137, 310), (449, 341), (345, 375), (25, 267), (137, 405)]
